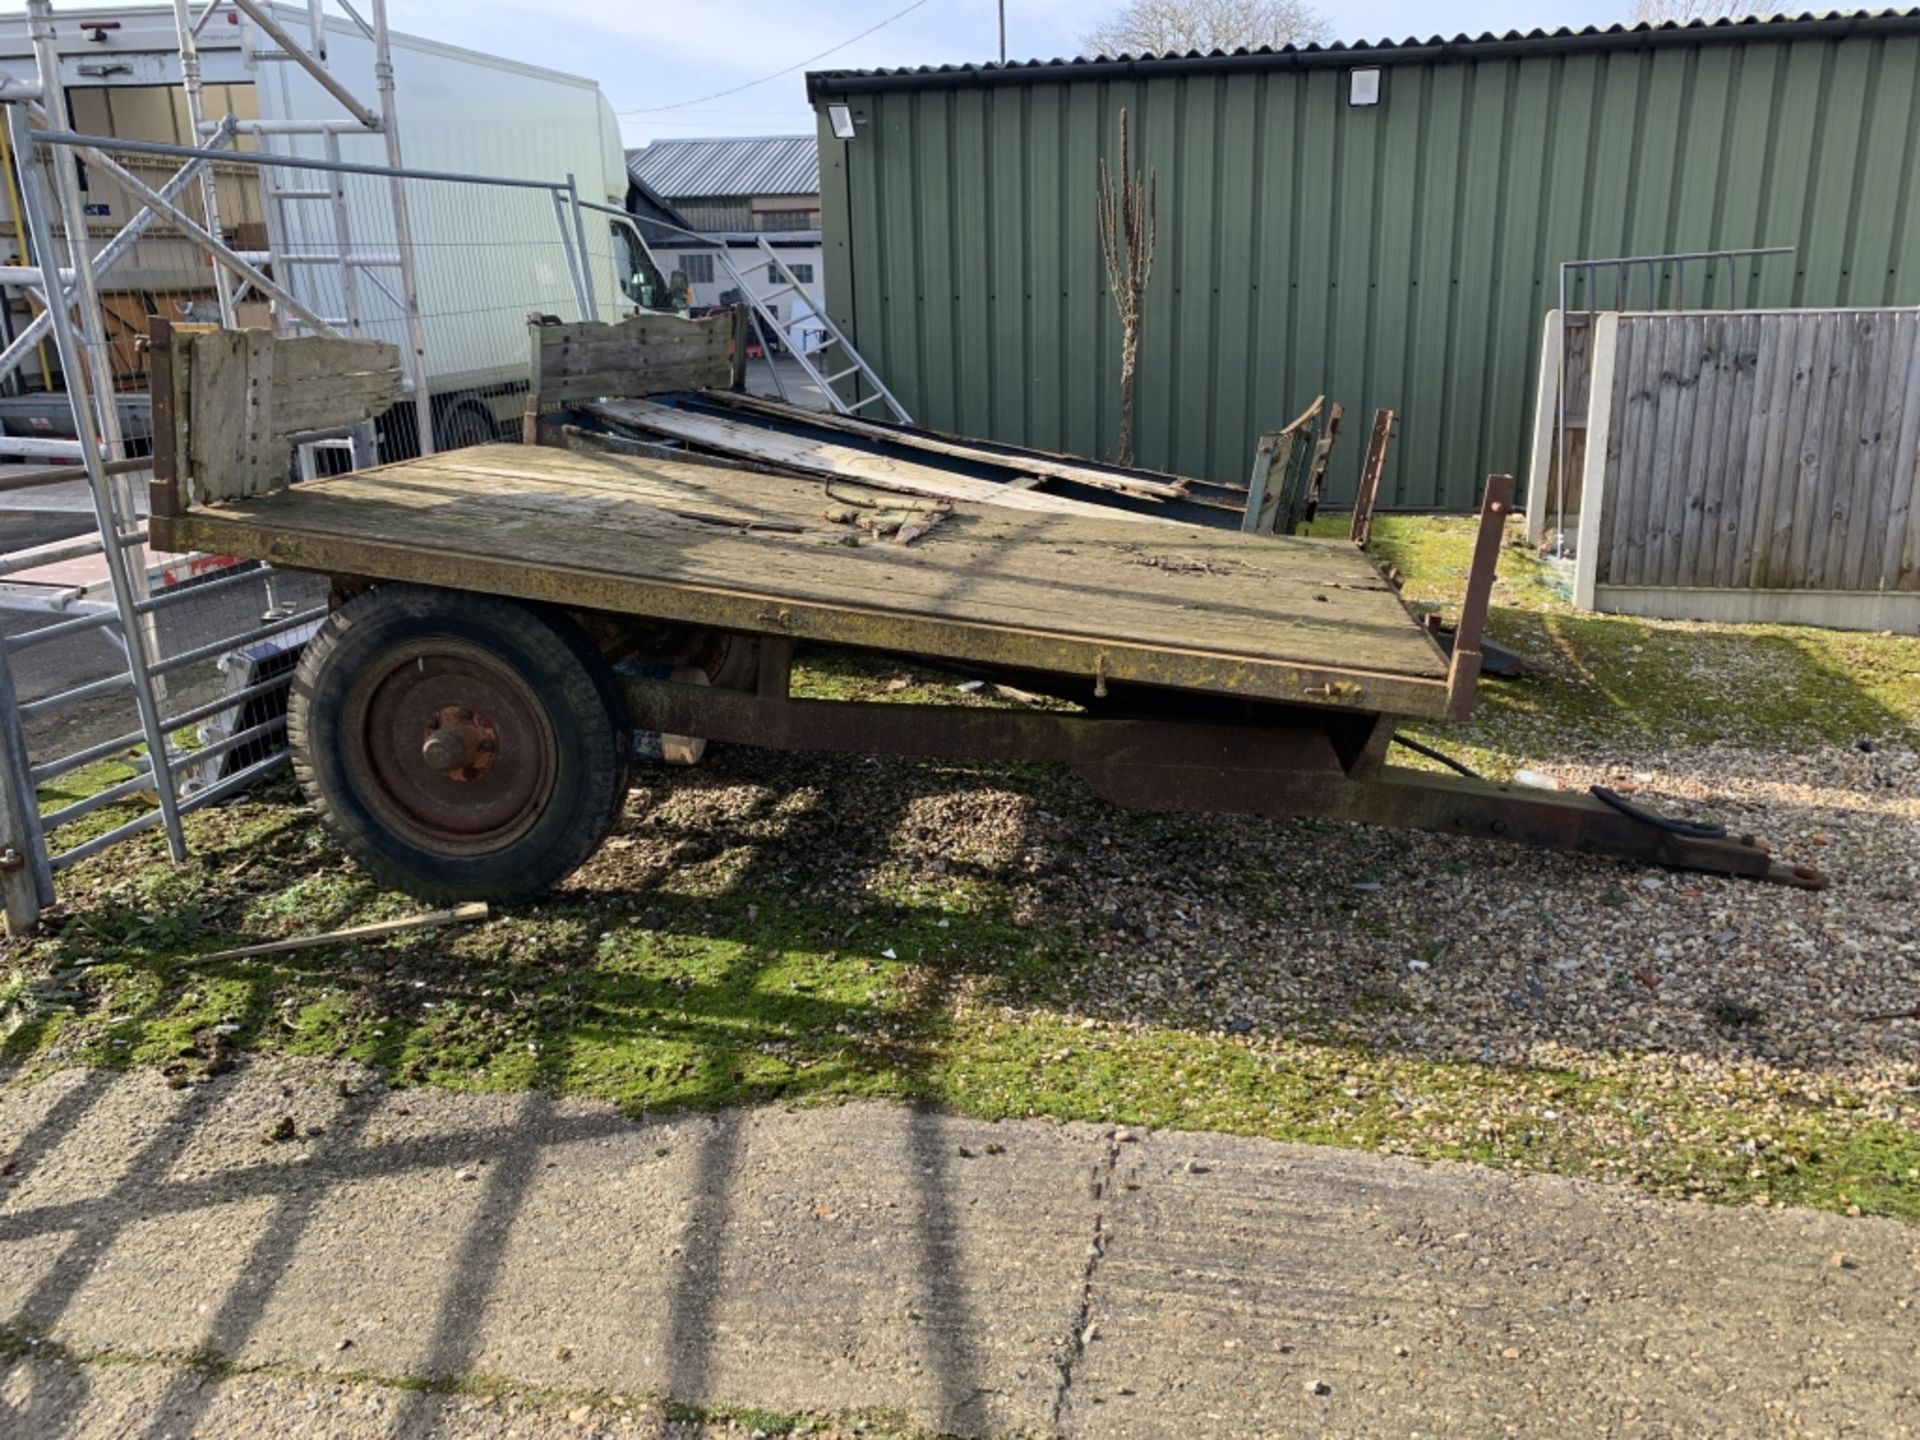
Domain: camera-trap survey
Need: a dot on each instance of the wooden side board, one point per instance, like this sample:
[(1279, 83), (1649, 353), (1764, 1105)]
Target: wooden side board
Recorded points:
[(933, 443), (645, 354), (236, 400)]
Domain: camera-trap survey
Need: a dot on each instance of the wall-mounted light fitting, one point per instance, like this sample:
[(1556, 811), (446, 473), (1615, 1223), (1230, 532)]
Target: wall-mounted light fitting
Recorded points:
[(1363, 86), (841, 118)]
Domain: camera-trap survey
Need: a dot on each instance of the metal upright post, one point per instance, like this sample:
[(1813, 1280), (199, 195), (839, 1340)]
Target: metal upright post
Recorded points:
[(402, 230), (575, 262), (67, 344), (73, 216), (26, 875), (589, 302), (196, 108)]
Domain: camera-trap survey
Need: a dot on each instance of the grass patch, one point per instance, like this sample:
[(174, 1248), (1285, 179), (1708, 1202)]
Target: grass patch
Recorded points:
[(1621, 681)]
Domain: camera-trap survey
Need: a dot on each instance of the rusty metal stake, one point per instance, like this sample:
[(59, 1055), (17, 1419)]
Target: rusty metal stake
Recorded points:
[(1371, 469), (1464, 674)]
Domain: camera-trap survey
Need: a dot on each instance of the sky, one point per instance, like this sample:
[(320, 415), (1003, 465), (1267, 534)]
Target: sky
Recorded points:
[(648, 55), (652, 57)]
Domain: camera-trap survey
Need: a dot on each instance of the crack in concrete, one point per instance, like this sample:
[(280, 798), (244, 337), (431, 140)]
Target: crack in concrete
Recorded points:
[(1100, 1186)]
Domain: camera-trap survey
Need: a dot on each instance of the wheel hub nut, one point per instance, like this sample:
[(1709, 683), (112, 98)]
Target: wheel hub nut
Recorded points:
[(457, 741)]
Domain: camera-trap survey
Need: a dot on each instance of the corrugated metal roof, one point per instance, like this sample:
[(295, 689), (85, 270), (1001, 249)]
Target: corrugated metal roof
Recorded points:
[(763, 165), (1832, 24)]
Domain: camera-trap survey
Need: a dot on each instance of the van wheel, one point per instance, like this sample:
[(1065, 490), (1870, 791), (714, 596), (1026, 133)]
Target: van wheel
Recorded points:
[(459, 746), (464, 425)]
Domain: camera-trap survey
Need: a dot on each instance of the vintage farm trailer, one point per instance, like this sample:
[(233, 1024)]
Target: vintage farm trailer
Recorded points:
[(507, 616)]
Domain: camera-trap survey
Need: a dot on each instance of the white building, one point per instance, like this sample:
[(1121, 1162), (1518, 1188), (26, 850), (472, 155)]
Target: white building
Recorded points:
[(739, 192)]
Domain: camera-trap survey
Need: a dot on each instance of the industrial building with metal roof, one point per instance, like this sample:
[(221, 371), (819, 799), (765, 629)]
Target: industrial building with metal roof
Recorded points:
[(1383, 223), (709, 169)]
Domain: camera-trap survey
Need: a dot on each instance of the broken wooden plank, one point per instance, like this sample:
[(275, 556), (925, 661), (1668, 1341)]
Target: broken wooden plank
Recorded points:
[(645, 354), (1023, 464), (816, 457), (252, 393)]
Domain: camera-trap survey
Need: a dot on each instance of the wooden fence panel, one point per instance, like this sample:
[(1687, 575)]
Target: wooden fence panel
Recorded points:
[(1756, 465)]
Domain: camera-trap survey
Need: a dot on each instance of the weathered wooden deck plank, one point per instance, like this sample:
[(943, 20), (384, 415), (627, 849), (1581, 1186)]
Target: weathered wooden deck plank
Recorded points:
[(1184, 606)]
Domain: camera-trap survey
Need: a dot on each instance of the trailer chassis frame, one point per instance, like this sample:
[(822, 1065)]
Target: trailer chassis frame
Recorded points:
[(1295, 761)]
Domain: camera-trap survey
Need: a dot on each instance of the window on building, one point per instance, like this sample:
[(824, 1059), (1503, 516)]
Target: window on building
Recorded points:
[(787, 219), (697, 268), (803, 272)]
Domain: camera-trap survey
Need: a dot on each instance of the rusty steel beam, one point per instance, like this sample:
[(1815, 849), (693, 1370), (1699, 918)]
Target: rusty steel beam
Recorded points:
[(1279, 769)]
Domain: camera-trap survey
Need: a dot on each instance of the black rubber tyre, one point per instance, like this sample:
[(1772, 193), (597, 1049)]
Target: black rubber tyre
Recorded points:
[(462, 426), (459, 746)]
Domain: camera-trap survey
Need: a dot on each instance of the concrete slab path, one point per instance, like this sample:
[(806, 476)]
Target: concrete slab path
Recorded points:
[(966, 1277)]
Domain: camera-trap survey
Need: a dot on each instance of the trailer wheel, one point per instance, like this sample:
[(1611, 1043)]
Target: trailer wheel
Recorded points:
[(459, 746)]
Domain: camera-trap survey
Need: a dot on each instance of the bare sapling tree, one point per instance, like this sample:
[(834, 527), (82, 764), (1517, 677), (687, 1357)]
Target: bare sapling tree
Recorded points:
[(1128, 227)]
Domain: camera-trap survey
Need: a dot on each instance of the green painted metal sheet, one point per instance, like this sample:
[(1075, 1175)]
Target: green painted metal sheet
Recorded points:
[(1400, 255)]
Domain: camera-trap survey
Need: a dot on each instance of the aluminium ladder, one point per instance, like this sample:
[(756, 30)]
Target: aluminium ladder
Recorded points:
[(814, 362)]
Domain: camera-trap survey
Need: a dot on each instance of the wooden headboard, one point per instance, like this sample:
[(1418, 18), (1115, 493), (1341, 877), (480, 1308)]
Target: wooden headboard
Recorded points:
[(646, 354), (229, 404)]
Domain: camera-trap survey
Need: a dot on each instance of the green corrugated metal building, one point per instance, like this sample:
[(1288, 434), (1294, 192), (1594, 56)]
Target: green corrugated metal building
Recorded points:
[(1400, 254)]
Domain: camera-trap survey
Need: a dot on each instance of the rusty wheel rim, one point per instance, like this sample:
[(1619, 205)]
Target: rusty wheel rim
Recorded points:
[(451, 748)]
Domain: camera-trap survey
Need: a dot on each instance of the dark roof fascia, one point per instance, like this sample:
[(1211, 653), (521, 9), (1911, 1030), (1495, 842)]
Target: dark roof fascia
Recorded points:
[(825, 84)]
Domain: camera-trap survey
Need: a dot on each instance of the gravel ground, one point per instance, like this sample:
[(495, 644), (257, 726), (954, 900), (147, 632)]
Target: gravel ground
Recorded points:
[(1703, 1003), (1474, 951), (1463, 950)]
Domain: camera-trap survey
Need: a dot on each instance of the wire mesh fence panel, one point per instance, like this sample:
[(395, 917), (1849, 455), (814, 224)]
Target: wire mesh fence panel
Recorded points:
[(485, 259)]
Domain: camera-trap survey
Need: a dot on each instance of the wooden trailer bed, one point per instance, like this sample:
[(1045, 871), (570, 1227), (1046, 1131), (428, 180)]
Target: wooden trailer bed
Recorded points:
[(1081, 594), (463, 744)]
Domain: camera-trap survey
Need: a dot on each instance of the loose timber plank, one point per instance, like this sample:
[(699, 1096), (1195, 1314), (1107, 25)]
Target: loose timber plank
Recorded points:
[(843, 461), (1024, 463)]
